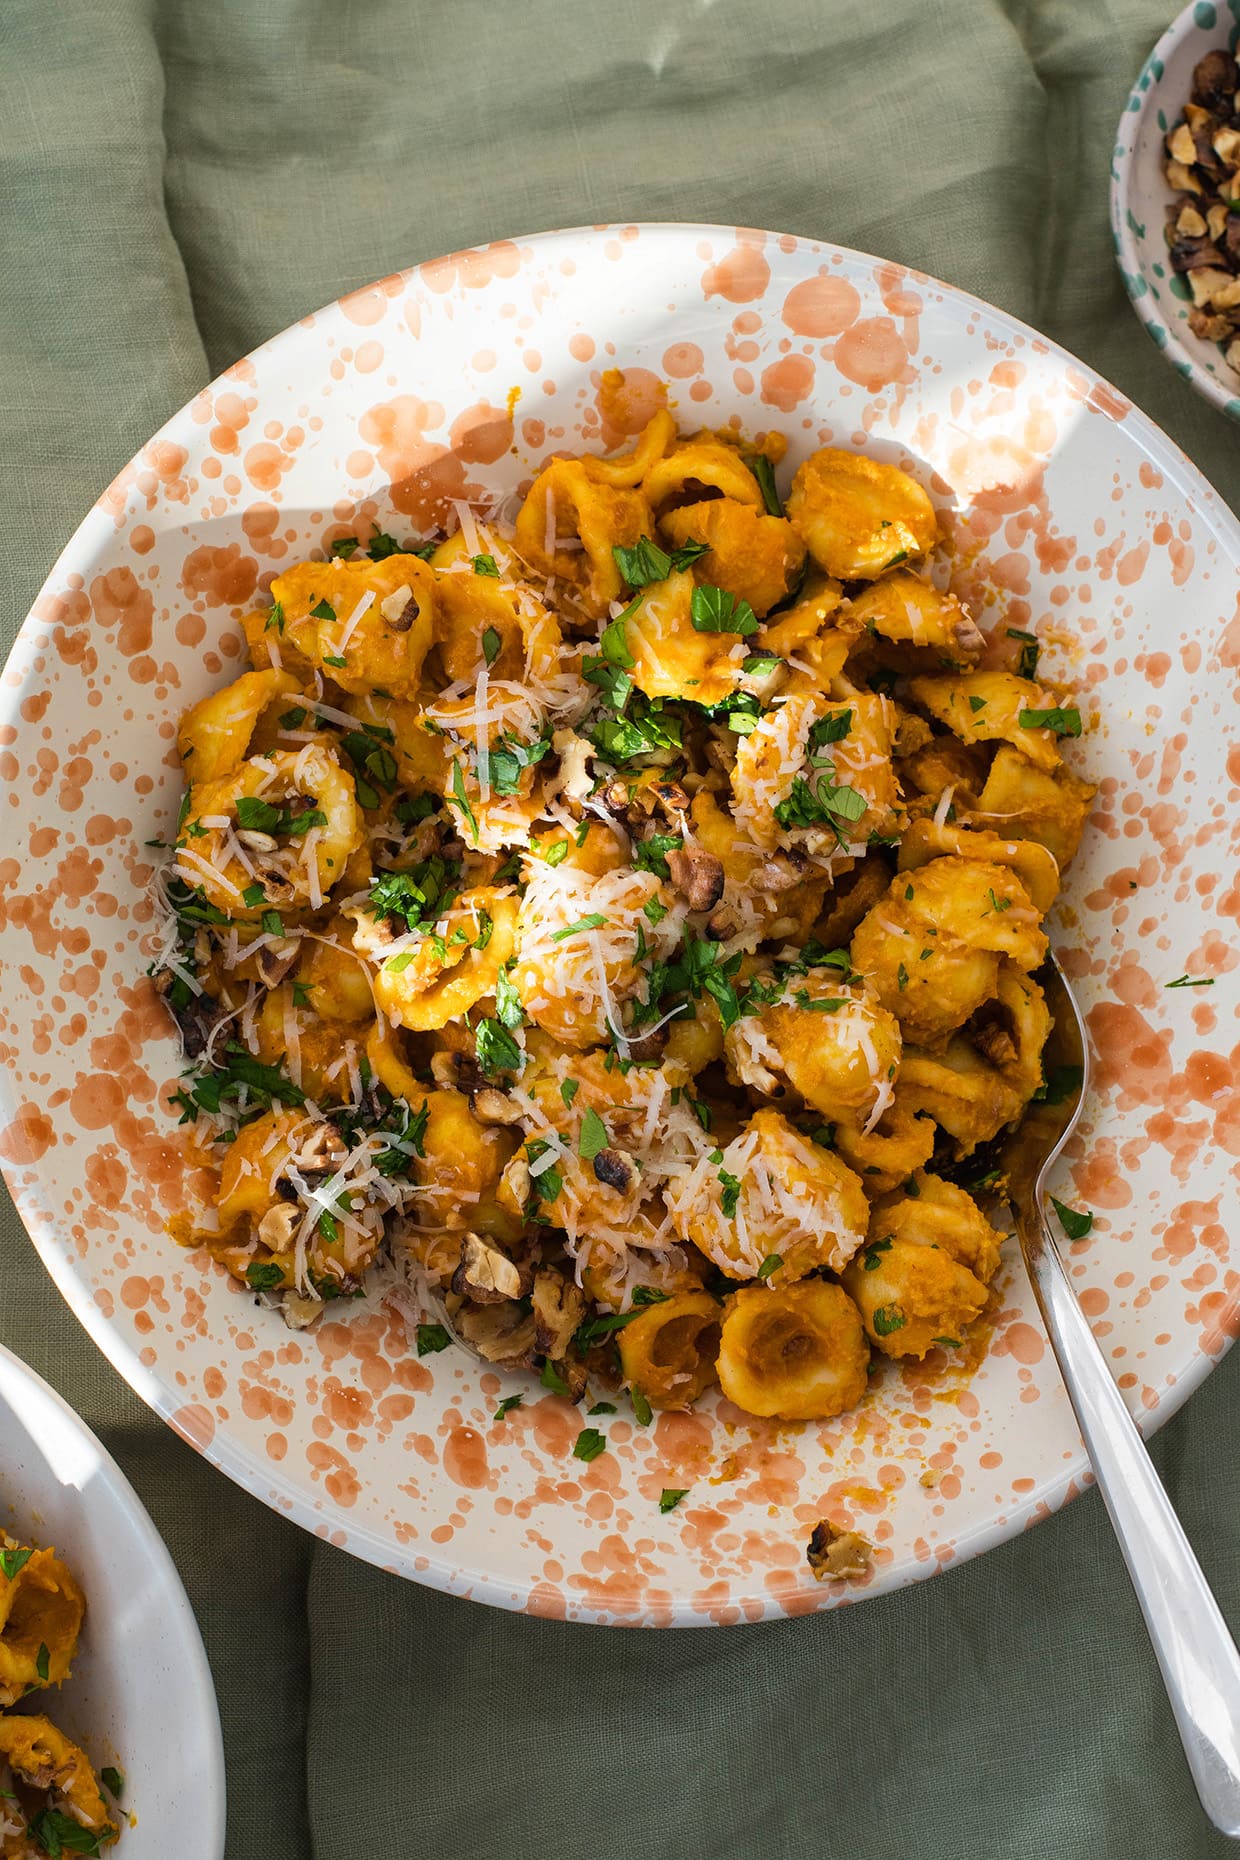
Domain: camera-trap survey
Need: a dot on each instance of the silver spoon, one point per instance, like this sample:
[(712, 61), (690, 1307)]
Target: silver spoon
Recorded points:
[(1195, 1650)]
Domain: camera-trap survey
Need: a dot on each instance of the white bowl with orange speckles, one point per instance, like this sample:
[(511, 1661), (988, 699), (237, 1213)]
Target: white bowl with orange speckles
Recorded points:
[(1069, 512)]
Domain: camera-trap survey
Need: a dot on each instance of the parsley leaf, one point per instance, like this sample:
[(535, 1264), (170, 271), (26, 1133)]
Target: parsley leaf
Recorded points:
[(729, 1199), (508, 1009), (486, 565), (1075, 1224), (432, 1338), (593, 1137), (344, 546), (324, 611), (888, 1318), (552, 1379), (671, 1497), (643, 563), (824, 803), (461, 799), (112, 1781), (491, 644), (642, 1410), (264, 1278), (12, 1562), (714, 610), (591, 922), (764, 472), (1027, 664), (42, 1663), (496, 1049), (589, 1444), (1064, 720), (770, 1264), (1191, 981), (648, 854), (56, 1833), (507, 1405)]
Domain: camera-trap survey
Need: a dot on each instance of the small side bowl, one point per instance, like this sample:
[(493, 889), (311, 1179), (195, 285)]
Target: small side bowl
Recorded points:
[(1140, 196), (141, 1696)]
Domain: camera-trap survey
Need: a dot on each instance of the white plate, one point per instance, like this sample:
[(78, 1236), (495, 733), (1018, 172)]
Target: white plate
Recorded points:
[(140, 1697), (1071, 513)]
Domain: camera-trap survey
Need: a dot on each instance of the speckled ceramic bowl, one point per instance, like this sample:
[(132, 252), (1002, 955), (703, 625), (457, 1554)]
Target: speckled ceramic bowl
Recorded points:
[(1068, 511), (1140, 196), (140, 1698)]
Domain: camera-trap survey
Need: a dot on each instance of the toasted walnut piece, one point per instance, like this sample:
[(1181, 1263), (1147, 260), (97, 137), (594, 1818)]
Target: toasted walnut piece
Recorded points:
[(197, 1019), (485, 1275), (457, 1069), (615, 1170), (1211, 326), (1232, 356), (1226, 144), (996, 1044), (722, 924), (1231, 237), (1180, 145), (514, 1184), (274, 960), (930, 1478), (781, 871), (644, 1047), (490, 1106), (502, 1333), (1195, 255), (278, 1225), (299, 1310), (1227, 296), (1205, 285), (1182, 178), (323, 1150), (671, 797), (1216, 218), (697, 875), (1189, 223), (559, 1307), (835, 1555), (1215, 79), (256, 841), (400, 609)]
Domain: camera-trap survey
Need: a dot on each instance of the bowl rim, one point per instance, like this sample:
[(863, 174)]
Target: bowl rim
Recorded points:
[(269, 1483), (1162, 333), (180, 1625)]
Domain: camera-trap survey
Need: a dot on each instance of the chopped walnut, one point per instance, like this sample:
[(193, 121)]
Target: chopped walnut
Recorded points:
[(697, 875), (1203, 223), (835, 1555), (485, 1274), (559, 1307)]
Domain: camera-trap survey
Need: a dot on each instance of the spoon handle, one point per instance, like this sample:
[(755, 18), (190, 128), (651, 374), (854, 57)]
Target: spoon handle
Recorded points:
[(1197, 1655)]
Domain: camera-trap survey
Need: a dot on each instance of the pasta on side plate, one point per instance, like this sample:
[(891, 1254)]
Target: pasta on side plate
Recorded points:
[(618, 920)]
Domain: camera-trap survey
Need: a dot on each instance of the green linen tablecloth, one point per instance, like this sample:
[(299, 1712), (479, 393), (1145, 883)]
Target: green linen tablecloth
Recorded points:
[(180, 181)]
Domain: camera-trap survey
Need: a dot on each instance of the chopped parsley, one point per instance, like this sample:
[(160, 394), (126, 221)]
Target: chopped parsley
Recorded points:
[(648, 854), (1027, 664), (770, 1264), (1074, 1223), (432, 1338), (236, 1072), (569, 1089), (593, 1136), (56, 1833), (503, 766), (645, 561), (824, 803), (275, 619), (508, 1009), (496, 1049), (642, 1410), (731, 1195), (593, 921), (714, 610), (112, 1781), (1063, 719), (264, 1278), (344, 546), (12, 1562), (589, 1444), (1191, 981), (324, 611), (381, 545), (486, 565), (491, 644), (698, 968), (42, 1661), (461, 799), (671, 1496), (831, 729), (976, 703), (507, 1405), (888, 1318), (872, 1258), (552, 1379), (761, 664), (764, 472)]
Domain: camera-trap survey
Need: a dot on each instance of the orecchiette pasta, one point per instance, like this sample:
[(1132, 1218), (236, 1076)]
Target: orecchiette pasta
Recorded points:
[(623, 921)]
